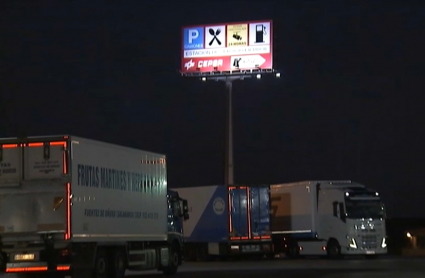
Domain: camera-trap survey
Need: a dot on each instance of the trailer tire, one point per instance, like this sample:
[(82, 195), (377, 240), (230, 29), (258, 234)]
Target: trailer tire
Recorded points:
[(293, 251), (202, 253), (372, 257), (174, 260), (117, 263), (101, 265), (333, 249)]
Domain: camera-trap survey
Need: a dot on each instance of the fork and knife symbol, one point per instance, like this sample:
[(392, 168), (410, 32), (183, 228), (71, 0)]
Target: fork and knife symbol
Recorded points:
[(214, 34)]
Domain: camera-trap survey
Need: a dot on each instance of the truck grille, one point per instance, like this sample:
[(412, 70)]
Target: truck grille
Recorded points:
[(369, 242)]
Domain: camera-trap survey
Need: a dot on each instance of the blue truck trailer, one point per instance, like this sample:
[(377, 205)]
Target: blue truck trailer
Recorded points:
[(227, 221)]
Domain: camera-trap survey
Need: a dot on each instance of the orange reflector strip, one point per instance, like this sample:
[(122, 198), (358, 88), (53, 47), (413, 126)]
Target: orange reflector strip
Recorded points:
[(9, 146), (63, 267), (57, 143), (229, 204), (35, 144), (238, 237), (61, 143), (262, 237), (248, 210), (26, 269), (65, 165), (68, 212)]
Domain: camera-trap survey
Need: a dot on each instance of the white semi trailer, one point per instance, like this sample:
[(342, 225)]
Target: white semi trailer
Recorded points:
[(75, 206), (330, 218)]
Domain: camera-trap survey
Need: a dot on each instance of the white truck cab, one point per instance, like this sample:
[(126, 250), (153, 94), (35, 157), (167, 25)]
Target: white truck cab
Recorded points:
[(330, 218)]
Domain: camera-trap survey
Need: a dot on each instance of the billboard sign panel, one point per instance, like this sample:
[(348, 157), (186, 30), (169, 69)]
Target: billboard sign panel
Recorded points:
[(227, 47)]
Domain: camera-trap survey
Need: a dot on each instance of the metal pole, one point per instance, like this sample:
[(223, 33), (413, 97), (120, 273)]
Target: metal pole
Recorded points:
[(228, 174)]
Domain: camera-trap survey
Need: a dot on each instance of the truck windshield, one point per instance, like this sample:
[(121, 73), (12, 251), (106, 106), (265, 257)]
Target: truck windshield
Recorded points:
[(364, 208)]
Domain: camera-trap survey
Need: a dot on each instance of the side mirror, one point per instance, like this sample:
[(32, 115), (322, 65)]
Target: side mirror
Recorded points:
[(185, 210), (342, 212)]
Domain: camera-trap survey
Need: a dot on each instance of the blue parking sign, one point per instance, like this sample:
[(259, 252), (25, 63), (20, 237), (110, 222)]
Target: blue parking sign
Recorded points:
[(193, 38)]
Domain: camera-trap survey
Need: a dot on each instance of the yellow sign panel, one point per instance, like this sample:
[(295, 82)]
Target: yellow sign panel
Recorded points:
[(237, 35)]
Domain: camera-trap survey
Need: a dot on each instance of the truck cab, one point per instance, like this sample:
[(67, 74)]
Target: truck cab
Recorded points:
[(364, 219), (177, 212), (329, 218)]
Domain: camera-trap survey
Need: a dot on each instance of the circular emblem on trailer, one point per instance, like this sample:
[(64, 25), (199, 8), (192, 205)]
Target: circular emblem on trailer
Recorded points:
[(218, 205)]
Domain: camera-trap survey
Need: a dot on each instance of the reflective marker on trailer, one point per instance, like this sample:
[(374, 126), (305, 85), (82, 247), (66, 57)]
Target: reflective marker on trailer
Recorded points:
[(262, 237), (9, 146), (68, 212), (26, 269), (63, 267), (248, 210), (229, 205), (35, 144)]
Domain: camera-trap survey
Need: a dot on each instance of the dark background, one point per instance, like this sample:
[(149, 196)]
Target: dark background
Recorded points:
[(349, 104)]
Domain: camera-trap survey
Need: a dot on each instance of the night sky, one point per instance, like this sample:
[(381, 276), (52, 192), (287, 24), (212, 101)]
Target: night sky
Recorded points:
[(349, 104)]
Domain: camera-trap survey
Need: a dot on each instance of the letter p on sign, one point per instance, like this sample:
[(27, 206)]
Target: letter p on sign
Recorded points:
[(193, 38), (193, 35)]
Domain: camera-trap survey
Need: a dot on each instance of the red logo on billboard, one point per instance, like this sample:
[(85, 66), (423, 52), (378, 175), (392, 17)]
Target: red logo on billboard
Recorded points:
[(226, 63), (204, 63)]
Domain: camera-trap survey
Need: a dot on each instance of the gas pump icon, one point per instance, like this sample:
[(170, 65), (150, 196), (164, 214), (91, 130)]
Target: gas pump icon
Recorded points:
[(260, 31)]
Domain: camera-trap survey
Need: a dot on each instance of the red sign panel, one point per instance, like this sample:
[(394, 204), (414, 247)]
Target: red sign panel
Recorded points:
[(227, 47)]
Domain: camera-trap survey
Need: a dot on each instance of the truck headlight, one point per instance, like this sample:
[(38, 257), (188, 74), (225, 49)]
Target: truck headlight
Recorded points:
[(353, 243), (384, 243)]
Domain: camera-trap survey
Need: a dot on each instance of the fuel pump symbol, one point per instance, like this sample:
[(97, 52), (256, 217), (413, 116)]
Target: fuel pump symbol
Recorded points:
[(260, 31)]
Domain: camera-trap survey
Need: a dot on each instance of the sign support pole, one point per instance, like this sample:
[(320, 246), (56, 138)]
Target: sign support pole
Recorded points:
[(228, 157), (228, 154), (228, 171)]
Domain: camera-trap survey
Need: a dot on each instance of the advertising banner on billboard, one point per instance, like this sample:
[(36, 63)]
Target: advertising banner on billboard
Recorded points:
[(227, 47)]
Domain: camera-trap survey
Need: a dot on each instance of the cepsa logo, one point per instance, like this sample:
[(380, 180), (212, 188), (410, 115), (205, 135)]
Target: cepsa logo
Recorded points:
[(193, 38), (213, 63)]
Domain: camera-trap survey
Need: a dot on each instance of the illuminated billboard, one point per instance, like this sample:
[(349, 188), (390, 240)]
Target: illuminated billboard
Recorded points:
[(227, 47)]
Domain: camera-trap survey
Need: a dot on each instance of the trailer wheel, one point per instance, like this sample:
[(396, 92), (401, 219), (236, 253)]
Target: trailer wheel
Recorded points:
[(372, 257), (333, 249), (101, 264), (202, 254), (117, 263), (293, 250), (174, 260)]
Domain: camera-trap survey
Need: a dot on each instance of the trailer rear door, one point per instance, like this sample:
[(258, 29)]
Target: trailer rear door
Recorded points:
[(249, 212), (34, 191), (238, 204), (260, 212)]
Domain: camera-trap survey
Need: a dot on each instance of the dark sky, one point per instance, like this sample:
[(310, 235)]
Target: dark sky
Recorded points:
[(349, 104)]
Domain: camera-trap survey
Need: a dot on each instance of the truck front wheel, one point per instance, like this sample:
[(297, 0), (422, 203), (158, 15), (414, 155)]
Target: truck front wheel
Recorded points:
[(117, 263), (101, 264), (333, 249), (174, 260)]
